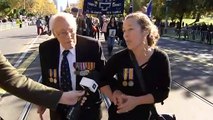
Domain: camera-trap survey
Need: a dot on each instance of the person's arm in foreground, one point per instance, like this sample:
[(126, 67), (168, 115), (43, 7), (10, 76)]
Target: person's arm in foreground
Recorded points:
[(29, 90)]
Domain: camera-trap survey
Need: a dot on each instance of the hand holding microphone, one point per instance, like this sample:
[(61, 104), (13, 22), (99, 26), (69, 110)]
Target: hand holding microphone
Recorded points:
[(89, 85)]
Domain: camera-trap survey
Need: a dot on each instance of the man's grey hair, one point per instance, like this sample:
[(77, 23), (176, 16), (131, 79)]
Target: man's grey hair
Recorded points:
[(67, 16)]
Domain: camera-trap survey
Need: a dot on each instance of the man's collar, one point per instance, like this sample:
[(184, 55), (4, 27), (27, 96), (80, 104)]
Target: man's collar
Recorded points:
[(72, 50)]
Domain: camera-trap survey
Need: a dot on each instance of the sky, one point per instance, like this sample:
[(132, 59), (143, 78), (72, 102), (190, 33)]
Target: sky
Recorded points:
[(63, 3)]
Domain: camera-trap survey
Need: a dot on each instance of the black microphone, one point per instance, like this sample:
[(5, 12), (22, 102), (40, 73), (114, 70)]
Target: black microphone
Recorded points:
[(89, 84), (73, 113)]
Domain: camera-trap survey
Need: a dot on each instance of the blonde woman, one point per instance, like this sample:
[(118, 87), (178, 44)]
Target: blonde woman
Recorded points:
[(129, 102)]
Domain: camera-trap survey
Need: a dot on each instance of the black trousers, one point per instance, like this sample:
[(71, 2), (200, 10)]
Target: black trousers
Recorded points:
[(86, 113), (94, 113), (135, 114)]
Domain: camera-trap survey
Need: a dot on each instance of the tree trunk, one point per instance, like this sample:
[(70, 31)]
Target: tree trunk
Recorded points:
[(181, 19), (198, 17)]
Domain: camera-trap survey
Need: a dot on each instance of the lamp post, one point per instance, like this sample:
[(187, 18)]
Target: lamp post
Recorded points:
[(166, 22)]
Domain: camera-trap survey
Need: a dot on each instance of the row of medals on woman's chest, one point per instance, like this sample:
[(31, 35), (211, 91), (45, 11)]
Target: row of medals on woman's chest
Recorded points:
[(128, 76)]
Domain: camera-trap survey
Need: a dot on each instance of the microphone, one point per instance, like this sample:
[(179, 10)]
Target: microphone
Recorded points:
[(89, 85)]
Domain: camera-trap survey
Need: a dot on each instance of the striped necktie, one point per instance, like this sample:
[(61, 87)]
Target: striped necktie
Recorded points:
[(66, 84)]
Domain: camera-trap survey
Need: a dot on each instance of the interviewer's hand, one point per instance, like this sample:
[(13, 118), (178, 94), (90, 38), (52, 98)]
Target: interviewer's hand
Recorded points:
[(83, 100), (41, 111), (71, 97)]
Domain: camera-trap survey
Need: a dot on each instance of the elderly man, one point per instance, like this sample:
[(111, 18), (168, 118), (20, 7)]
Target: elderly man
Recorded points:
[(65, 59)]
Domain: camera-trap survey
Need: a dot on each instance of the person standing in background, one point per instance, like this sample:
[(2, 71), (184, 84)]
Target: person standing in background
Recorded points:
[(47, 18), (111, 34), (104, 27), (39, 26)]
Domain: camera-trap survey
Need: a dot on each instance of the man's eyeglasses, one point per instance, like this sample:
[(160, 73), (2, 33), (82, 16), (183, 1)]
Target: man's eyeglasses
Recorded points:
[(66, 33)]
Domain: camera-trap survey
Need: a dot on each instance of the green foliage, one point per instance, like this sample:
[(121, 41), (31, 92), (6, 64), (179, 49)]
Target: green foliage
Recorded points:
[(4, 7), (14, 8), (206, 20), (177, 9), (126, 6)]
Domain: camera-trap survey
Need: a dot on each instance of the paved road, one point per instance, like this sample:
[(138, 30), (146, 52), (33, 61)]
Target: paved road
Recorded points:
[(191, 96), (18, 45)]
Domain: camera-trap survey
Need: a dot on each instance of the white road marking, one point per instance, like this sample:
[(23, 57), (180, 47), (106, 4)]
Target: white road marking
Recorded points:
[(18, 62)]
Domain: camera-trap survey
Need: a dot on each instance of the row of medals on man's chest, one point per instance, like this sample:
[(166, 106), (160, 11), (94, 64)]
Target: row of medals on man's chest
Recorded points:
[(82, 69), (128, 77)]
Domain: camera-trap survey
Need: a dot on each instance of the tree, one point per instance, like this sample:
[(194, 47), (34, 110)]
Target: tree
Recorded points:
[(158, 8), (43, 7), (49, 9), (4, 7), (23, 7), (202, 7), (7, 6), (209, 5), (136, 5), (80, 4)]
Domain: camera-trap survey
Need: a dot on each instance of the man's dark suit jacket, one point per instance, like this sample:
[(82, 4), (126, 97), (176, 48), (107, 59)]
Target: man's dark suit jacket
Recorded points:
[(87, 50), (25, 88)]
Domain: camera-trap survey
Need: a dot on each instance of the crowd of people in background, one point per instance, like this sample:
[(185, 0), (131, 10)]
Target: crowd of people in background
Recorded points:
[(94, 26), (205, 31), (202, 32)]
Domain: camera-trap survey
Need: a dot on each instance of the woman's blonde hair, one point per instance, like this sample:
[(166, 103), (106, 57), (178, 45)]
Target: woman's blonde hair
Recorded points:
[(146, 24)]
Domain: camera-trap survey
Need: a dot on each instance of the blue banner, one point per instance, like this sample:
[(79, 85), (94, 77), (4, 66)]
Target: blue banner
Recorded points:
[(103, 6), (149, 9)]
